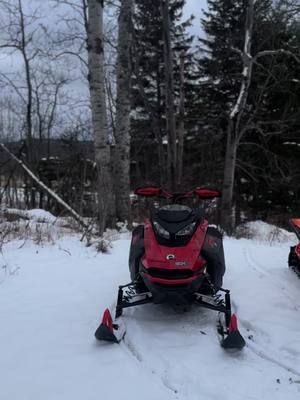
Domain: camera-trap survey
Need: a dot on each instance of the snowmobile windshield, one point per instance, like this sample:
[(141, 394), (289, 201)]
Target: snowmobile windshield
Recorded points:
[(174, 213), (176, 207)]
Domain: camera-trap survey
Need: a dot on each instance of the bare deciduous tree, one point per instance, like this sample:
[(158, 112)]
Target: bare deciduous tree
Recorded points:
[(95, 48), (236, 128), (123, 107), (20, 32)]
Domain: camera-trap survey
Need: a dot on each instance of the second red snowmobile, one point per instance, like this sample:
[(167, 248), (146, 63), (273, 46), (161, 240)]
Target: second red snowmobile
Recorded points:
[(176, 258), (294, 255)]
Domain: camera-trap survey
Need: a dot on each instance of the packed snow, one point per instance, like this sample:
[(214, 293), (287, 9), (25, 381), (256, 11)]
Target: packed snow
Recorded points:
[(52, 298)]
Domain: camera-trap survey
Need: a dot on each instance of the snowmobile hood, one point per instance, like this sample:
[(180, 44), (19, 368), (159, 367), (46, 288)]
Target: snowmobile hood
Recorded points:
[(160, 256)]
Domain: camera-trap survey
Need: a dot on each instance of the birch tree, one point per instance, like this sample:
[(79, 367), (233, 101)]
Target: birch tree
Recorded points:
[(123, 107), (96, 80)]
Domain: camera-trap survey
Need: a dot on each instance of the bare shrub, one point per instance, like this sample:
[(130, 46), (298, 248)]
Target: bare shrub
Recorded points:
[(244, 232), (39, 233), (103, 246), (263, 232)]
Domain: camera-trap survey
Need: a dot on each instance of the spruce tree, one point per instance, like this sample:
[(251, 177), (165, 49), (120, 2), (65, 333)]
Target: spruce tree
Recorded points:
[(148, 117), (270, 95)]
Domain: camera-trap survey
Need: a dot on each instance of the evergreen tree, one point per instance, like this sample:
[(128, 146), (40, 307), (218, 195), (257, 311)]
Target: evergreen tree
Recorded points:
[(149, 117), (270, 99)]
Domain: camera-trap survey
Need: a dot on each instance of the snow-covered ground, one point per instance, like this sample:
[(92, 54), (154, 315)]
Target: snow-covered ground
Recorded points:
[(52, 297)]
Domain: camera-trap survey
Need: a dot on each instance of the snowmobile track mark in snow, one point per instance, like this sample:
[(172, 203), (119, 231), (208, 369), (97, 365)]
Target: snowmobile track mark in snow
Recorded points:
[(261, 354), (254, 265), (128, 346), (272, 360)]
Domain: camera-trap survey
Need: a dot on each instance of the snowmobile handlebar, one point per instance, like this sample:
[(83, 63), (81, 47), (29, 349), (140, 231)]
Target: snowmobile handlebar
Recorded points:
[(153, 191)]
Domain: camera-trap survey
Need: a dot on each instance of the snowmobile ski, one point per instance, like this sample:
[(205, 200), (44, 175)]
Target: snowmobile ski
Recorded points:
[(108, 331), (233, 339)]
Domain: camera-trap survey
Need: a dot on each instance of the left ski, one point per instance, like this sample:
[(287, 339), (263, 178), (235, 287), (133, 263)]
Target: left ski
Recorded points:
[(108, 331)]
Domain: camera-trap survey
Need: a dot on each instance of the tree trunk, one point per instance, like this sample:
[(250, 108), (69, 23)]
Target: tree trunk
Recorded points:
[(233, 130), (181, 122), (50, 192), (98, 106), (29, 143), (28, 85), (228, 181), (157, 129), (123, 107), (170, 102)]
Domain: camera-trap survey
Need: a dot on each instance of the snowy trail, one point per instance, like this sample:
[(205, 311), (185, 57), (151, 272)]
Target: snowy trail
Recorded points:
[(49, 312), (51, 299)]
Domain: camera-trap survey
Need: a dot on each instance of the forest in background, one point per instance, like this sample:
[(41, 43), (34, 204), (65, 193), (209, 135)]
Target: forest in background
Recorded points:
[(108, 97)]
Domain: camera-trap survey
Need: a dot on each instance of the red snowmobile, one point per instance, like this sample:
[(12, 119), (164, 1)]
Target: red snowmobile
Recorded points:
[(294, 256), (176, 258)]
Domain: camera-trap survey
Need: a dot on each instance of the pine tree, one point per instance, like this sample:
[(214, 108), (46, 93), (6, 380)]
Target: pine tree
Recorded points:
[(220, 67), (149, 118)]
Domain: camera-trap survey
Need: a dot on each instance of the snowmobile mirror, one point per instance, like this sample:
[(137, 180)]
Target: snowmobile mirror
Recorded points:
[(205, 193), (149, 191)]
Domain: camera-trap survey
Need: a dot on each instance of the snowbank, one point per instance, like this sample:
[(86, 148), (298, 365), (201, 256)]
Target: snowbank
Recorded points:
[(37, 214), (263, 232)]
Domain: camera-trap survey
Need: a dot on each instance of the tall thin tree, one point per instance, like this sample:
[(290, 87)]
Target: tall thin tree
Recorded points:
[(123, 107), (169, 93), (96, 77)]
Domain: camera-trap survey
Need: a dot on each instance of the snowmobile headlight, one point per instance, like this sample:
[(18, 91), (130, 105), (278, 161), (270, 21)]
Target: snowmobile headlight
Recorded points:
[(161, 231), (187, 230)]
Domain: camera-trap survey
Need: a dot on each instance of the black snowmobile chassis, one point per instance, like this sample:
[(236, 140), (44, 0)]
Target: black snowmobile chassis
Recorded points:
[(215, 303), (127, 300), (128, 296)]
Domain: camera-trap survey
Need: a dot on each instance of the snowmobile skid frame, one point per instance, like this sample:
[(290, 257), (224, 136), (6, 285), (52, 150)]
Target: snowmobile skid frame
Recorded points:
[(229, 334)]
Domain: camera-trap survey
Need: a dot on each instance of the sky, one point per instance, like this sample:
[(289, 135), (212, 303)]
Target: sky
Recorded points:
[(195, 7), (10, 64)]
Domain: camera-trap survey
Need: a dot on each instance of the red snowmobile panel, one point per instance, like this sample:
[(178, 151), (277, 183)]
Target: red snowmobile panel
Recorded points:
[(297, 250), (188, 256), (296, 222)]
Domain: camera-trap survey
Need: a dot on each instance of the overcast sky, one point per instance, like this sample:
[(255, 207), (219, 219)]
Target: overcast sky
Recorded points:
[(15, 62), (195, 7)]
